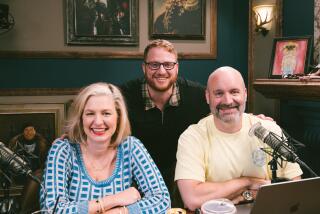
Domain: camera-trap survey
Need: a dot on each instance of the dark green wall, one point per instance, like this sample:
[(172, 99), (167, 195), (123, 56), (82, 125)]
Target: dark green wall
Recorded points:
[(298, 17), (297, 21), (301, 118), (232, 47)]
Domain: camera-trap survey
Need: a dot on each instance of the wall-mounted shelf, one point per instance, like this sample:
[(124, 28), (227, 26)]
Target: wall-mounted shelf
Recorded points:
[(288, 88)]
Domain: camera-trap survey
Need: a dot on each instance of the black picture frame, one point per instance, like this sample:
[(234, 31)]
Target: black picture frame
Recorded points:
[(174, 21), (102, 22), (290, 57)]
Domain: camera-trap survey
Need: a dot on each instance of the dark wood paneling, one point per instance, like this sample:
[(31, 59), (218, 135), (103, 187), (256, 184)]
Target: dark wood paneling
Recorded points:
[(288, 88)]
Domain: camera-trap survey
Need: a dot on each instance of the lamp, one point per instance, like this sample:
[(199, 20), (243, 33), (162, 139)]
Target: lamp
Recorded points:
[(6, 19), (263, 17)]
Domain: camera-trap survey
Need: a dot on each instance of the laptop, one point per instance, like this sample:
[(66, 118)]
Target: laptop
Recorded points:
[(291, 197)]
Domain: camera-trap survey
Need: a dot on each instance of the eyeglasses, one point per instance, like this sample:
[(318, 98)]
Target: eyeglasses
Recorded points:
[(157, 65)]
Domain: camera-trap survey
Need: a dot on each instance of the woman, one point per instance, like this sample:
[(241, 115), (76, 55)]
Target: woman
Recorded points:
[(94, 170)]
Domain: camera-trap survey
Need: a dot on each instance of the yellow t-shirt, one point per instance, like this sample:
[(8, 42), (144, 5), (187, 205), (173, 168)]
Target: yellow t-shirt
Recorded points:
[(207, 154)]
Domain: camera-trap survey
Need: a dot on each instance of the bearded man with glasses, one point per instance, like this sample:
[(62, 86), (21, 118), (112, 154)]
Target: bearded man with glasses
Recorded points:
[(161, 105)]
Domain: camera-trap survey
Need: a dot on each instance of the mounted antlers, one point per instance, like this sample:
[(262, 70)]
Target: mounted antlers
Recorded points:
[(263, 16)]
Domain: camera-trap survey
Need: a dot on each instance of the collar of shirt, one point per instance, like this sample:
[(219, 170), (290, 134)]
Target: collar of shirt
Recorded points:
[(149, 104)]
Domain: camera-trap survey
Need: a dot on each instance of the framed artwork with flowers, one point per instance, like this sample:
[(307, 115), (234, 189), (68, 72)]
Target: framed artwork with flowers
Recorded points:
[(177, 19)]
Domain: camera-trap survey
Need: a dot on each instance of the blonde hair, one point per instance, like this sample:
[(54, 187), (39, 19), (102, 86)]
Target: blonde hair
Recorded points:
[(160, 43), (74, 127)]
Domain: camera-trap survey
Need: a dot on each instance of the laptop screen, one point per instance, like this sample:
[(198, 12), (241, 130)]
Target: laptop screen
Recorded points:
[(296, 197)]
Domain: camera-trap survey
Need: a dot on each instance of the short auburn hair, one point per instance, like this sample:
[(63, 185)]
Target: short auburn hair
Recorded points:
[(160, 43)]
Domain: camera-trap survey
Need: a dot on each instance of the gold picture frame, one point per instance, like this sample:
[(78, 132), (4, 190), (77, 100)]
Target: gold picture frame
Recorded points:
[(47, 118), (169, 21), (34, 44)]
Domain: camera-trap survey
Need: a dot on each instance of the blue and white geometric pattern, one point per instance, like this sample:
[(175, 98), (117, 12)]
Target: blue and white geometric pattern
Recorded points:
[(67, 179)]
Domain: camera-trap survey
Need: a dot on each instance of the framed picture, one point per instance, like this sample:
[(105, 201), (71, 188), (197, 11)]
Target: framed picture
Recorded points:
[(48, 120), (102, 22), (177, 19), (33, 43), (290, 56)]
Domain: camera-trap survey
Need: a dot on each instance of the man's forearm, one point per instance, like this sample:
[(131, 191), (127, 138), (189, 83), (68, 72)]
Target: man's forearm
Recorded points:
[(195, 193)]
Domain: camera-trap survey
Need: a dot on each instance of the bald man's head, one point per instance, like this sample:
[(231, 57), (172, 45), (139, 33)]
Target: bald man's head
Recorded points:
[(228, 72), (226, 94)]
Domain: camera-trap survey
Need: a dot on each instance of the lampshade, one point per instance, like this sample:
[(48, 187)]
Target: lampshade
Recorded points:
[(263, 16)]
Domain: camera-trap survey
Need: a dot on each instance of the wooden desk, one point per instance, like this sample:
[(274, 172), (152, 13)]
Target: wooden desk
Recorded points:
[(244, 208), (241, 209)]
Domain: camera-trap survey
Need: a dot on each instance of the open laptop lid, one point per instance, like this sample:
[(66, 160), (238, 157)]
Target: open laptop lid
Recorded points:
[(296, 197)]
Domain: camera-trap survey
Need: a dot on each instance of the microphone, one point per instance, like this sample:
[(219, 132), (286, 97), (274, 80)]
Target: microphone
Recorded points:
[(275, 142), (14, 162)]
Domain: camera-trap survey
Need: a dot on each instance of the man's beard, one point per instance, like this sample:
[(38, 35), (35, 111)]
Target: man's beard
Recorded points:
[(232, 117), (151, 83)]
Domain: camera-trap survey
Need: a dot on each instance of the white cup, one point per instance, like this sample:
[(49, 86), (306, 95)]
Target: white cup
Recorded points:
[(218, 206)]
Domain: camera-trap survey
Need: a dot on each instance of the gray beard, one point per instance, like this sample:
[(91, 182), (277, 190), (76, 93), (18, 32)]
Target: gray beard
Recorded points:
[(230, 118)]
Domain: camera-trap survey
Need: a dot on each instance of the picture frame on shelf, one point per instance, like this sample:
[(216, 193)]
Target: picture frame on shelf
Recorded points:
[(104, 23), (290, 57), (180, 20)]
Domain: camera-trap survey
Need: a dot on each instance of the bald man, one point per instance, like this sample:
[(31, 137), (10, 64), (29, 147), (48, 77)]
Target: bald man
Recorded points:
[(216, 157)]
